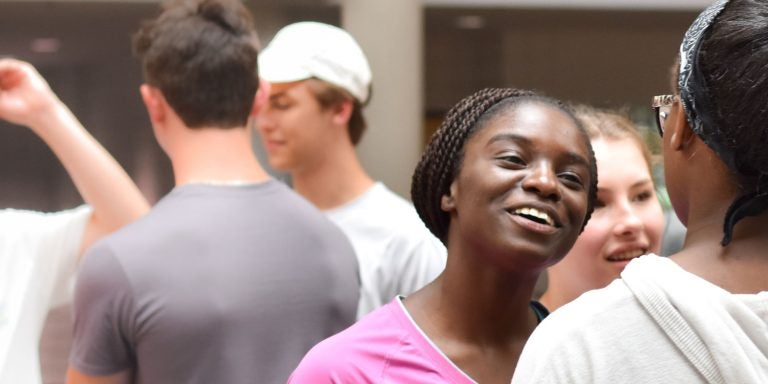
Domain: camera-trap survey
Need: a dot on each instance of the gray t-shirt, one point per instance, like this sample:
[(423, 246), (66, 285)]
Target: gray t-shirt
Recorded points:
[(217, 284)]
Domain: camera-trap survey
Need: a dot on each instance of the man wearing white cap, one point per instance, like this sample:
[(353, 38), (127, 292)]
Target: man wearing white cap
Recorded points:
[(320, 82)]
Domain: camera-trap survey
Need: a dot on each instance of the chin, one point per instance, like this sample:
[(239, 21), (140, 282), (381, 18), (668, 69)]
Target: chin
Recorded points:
[(279, 165)]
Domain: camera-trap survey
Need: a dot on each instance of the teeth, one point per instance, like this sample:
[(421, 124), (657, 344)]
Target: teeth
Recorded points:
[(628, 255), (535, 213)]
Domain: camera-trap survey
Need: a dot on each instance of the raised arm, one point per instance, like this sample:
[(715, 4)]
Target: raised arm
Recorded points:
[(26, 99)]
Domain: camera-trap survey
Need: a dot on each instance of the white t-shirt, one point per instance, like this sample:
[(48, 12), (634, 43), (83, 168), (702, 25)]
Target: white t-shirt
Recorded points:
[(396, 252), (657, 324), (38, 256)]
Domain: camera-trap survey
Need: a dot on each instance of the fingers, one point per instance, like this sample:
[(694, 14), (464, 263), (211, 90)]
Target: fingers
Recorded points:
[(12, 73), (25, 98)]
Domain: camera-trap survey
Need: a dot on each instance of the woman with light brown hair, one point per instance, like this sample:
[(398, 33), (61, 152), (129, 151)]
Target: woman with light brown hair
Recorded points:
[(628, 221)]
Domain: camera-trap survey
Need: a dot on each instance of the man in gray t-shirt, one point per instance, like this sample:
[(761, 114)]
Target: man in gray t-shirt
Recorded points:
[(231, 277), (217, 284)]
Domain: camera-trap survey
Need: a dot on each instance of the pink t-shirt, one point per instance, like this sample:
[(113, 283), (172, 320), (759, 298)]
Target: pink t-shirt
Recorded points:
[(385, 346)]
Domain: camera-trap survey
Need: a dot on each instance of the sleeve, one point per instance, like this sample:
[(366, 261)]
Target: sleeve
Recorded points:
[(421, 258), (320, 368), (63, 243), (338, 360), (104, 336), (551, 356), (49, 242)]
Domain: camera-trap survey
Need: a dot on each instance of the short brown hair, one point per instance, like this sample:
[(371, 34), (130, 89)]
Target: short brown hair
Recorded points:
[(202, 55), (329, 95)]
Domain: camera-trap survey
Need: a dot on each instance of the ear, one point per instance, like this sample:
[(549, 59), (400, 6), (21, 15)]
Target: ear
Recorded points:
[(680, 132), (342, 112), (262, 97), (448, 201), (154, 101)]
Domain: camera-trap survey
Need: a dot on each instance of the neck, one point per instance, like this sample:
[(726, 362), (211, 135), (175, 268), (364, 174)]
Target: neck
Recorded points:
[(477, 312), (739, 267), (215, 156), (495, 310), (333, 180)]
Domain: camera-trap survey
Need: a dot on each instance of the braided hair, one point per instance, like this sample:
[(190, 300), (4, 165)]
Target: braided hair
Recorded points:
[(732, 61), (442, 159)]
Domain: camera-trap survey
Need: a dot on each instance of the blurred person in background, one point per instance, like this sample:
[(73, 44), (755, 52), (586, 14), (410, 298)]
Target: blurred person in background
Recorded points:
[(232, 276), (39, 251), (321, 81)]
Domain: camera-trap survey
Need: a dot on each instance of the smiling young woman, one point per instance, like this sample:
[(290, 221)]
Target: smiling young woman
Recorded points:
[(507, 183), (628, 220)]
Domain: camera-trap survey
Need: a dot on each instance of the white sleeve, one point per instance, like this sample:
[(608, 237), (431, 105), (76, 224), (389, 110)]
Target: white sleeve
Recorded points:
[(49, 242)]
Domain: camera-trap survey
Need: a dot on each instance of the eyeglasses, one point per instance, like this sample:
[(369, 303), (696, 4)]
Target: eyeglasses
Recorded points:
[(662, 105)]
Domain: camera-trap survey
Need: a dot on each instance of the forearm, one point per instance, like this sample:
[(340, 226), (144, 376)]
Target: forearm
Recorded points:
[(101, 181)]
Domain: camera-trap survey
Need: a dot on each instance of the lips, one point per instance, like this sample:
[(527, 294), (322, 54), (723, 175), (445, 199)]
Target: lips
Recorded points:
[(271, 145)]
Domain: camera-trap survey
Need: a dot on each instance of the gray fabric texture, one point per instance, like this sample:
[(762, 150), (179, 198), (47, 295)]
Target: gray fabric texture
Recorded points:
[(215, 285)]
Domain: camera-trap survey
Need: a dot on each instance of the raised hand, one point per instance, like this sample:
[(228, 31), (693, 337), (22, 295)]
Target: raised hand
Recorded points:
[(25, 97)]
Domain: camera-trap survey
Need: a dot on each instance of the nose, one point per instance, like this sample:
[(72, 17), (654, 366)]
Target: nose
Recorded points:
[(542, 180), (628, 223)]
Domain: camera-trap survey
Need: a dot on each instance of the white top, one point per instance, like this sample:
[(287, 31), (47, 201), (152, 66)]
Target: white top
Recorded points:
[(396, 252), (38, 255), (657, 324)]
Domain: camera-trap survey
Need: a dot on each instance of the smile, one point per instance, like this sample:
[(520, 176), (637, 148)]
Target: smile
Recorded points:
[(534, 214), (626, 255)]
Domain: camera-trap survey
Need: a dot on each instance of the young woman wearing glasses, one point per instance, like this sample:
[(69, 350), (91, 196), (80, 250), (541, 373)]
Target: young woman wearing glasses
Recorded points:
[(701, 315)]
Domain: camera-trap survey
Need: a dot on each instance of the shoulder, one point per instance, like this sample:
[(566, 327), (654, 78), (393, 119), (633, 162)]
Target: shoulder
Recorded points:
[(396, 219), (582, 315), (571, 343), (360, 353), (100, 270), (21, 220)]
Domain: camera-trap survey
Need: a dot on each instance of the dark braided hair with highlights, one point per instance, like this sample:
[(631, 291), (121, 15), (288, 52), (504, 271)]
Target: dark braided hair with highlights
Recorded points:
[(732, 64), (442, 159)]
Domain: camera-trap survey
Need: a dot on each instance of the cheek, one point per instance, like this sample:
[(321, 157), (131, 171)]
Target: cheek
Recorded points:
[(653, 223), (590, 243), (576, 204)]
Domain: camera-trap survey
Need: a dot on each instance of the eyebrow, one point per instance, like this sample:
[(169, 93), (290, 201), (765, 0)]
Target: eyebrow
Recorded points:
[(572, 157), (278, 95), (639, 183), (508, 137)]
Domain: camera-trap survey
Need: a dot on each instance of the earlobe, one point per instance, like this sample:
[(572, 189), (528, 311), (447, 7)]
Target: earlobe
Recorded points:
[(680, 132), (448, 201), (153, 100), (342, 112)]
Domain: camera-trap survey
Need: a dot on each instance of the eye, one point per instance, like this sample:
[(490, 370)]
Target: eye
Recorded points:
[(572, 180), (280, 104), (511, 159), (643, 196)]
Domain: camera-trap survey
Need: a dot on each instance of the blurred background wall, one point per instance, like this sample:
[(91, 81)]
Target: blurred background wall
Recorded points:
[(426, 56)]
